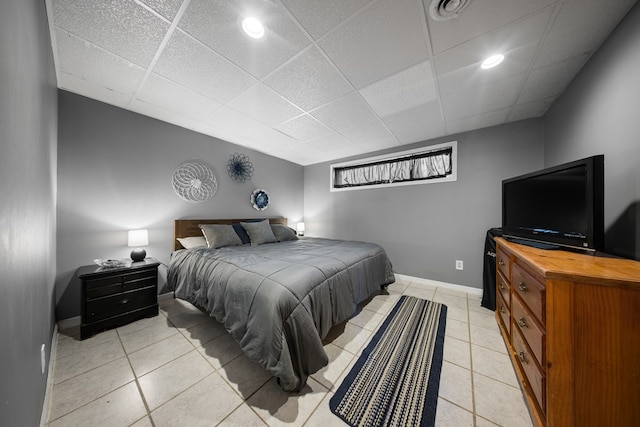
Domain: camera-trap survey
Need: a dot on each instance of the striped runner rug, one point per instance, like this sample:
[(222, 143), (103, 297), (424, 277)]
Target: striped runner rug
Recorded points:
[(395, 381)]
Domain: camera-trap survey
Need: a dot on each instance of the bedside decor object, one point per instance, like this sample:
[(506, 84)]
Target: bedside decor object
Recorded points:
[(138, 238), (300, 228), (194, 181), (239, 167), (113, 263), (260, 199), (113, 297)]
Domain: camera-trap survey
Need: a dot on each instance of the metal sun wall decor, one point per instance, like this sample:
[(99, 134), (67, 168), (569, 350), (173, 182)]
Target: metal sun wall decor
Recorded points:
[(239, 167), (260, 199), (194, 181)]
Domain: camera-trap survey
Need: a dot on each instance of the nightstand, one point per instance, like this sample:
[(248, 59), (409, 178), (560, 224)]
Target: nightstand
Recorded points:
[(112, 297)]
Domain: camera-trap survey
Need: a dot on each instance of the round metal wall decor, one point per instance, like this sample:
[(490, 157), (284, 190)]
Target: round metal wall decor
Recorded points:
[(239, 167), (260, 199), (194, 181)]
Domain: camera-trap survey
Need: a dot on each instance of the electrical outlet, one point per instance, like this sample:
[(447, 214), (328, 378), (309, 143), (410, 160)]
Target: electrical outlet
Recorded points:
[(459, 265), (43, 358)]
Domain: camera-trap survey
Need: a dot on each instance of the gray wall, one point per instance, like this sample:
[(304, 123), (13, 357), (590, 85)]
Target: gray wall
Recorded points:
[(28, 135), (425, 228), (599, 113), (114, 174)]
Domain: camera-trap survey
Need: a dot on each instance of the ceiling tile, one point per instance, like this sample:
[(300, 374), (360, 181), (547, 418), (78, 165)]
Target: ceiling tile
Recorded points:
[(531, 109), (479, 17), (366, 132), (93, 64), (166, 8), (580, 27), (124, 27), (320, 16), (416, 124), (92, 90), (492, 96), (344, 112), (177, 99), (303, 128), (330, 142), (551, 80), (379, 144), (477, 122), (309, 80), (233, 121), (191, 64), (385, 38), (402, 91), (218, 24), (265, 105), (459, 69), (161, 113)]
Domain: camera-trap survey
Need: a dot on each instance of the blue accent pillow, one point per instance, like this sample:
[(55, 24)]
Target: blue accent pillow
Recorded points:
[(242, 234)]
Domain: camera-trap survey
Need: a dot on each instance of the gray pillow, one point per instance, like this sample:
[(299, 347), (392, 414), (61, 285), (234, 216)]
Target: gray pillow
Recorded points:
[(283, 233), (220, 235), (259, 232), (193, 242)]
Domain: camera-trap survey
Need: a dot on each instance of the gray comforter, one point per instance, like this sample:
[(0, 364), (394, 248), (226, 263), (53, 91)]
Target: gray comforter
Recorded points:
[(279, 300)]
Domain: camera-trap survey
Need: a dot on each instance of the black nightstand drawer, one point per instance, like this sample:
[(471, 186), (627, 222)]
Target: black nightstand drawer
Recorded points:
[(109, 286), (102, 308)]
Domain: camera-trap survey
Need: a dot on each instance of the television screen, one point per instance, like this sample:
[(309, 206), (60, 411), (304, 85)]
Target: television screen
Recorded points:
[(562, 205)]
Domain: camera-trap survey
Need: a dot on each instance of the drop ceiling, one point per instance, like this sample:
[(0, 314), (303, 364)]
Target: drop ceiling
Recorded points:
[(331, 78)]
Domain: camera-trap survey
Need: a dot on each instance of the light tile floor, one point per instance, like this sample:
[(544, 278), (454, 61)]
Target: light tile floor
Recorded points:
[(182, 368)]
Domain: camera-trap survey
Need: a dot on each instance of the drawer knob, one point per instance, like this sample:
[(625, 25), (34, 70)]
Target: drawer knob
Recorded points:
[(522, 286), (500, 285), (124, 301), (522, 322), (501, 309), (523, 357), (500, 262)]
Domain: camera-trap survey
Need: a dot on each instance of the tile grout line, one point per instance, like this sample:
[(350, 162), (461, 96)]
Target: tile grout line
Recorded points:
[(135, 379)]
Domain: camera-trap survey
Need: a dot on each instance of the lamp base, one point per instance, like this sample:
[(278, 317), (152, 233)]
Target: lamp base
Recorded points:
[(138, 254)]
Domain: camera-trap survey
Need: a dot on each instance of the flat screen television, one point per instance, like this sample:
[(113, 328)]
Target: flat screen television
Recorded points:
[(557, 207)]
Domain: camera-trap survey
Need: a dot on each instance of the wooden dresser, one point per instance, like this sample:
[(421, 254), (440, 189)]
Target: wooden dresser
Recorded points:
[(115, 297), (571, 323)]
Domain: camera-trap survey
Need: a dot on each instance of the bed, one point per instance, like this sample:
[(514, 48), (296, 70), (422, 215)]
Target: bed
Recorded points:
[(278, 300)]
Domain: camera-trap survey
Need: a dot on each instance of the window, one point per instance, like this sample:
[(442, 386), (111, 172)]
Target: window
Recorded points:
[(436, 163)]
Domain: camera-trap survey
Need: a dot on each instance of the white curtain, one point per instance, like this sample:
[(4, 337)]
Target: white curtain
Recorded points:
[(435, 164)]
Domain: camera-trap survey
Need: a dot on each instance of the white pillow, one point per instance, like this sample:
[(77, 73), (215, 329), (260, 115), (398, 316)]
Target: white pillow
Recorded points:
[(192, 242)]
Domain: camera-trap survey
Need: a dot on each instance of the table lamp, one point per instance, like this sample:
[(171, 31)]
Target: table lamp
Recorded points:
[(138, 238), (300, 228)]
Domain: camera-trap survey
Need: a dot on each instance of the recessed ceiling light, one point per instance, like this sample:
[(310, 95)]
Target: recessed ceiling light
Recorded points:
[(253, 27), (492, 61)]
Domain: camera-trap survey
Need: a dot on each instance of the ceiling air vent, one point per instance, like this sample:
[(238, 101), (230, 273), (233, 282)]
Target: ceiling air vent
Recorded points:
[(442, 10)]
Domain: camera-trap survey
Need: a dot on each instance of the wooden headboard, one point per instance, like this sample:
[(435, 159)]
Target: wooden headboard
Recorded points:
[(189, 227)]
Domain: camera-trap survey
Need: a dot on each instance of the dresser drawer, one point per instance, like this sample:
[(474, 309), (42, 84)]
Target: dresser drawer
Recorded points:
[(530, 290), (534, 375), (503, 311), (502, 262), (502, 286), (113, 305), (105, 287), (528, 327)]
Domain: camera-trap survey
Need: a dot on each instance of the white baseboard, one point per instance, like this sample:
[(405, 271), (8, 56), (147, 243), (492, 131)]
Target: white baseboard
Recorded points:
[(429, 282), (69, 323), (49, 385)]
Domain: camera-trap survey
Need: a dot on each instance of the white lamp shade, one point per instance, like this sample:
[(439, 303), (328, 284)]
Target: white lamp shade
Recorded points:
[(138, 238), (300, 228)]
